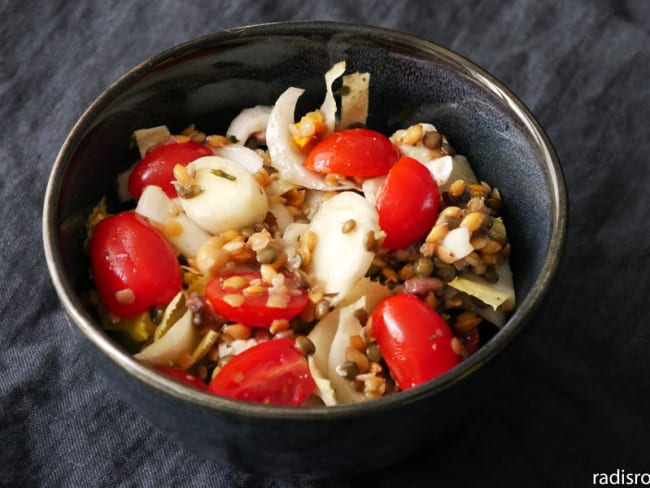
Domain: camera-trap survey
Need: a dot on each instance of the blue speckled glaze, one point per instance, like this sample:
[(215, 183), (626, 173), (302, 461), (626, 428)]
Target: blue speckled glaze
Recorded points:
[(210, 80)]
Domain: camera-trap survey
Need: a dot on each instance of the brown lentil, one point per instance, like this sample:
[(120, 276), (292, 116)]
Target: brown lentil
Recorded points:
[(466, 321), (349, 370), (321, 309), (373, 353), (423, 267), (305, 345), (432, 139), (348, 226)]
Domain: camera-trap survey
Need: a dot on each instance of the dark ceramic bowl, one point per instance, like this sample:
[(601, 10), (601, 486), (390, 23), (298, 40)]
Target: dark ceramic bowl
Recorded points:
[(208, 81)]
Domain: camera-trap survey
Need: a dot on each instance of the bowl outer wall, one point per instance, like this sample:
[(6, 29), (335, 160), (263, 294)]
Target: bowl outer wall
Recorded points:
[(411, 80)]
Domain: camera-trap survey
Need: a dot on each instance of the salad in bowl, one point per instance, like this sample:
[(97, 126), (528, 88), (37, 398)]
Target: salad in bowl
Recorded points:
[(301, 260)]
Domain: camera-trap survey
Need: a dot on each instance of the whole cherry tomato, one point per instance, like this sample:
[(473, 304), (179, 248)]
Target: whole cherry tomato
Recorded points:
[(245, 298), (272, 372), (353, 152), (157, 166), (183, 376), (134, 267), (414, 340), (407, 204)]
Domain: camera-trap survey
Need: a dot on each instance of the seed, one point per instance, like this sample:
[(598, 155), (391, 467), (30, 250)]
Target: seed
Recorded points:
[(234, 299), (277, 301), (473, 259), (189, 130), (476, 204), (295, 197), (280, 260), (477, 190), (390, 274), (333, 179), (284, 334), (213, 355), (238, 331), (452, 212), (268, 273), (230, 235), (456, 346), (321, 309), (182, 175), (457, 188), (349, 370), (181, 138), (491, 247), (431, 300), (466, 321), (432, 139), (357, 342), (278, 325), (173, 210), (235, 246), (308, 240), (217, 141), (473, 221), (423, 267), (211, 257), (125, 296), (479, 242), (413, 135), (373, 353), (198, 136), (370, 243), (254, 290), (305, 345), (316, 295), (234, 283), (453, 301), (184, 361), (348, 226), (262, 177)]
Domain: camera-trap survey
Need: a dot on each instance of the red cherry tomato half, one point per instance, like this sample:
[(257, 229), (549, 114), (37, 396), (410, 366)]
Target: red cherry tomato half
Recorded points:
[(272, 372), (353, 152), (133, 265), (414, 340), (407, 204), (157, 166), (183, 376), (245, 298)]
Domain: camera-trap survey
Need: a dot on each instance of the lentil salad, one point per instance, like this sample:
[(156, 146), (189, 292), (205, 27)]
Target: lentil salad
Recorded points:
[(302, 263)]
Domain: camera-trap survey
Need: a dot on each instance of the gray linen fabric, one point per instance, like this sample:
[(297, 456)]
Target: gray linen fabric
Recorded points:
[(571, 396)]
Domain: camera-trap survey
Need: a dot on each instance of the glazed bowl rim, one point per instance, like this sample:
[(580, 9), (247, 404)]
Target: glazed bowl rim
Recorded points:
[(82, 319)]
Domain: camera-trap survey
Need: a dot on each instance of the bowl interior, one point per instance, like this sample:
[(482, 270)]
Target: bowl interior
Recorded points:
[(208, 81)]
